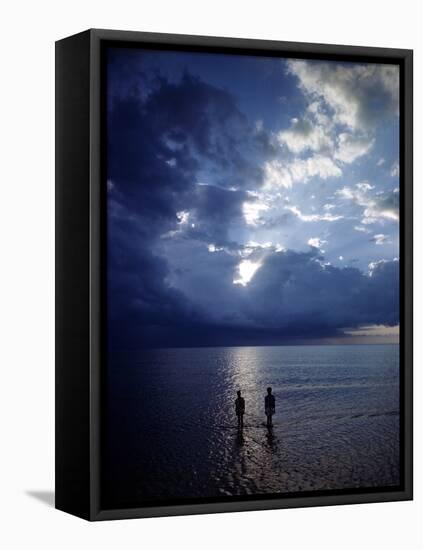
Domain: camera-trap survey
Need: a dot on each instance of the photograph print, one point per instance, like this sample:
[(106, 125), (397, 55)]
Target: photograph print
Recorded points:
[(252, 277)]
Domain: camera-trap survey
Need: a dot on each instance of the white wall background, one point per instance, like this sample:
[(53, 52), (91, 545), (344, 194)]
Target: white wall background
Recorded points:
[(28, 31)]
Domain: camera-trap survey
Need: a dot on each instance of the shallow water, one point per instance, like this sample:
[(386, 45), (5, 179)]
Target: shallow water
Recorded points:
[(172, 428)]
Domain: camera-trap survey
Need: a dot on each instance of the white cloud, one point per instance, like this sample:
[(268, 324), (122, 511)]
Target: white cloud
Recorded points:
[(213, 248), (364, 186), (316, 242), (317, 111), (380, 239), (361, 229), (277, 174), (258, 252), (252, 212), (284, 174), (327, 217), (304, 135), (374, 265), (317, 165), (182, 216), (255, 244), (357, 95), (347, 193), (350, 147), (375, 208), (395, 170), (380, 161)]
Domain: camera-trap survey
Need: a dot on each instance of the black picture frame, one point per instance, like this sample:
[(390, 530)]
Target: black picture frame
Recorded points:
[(80, 256)]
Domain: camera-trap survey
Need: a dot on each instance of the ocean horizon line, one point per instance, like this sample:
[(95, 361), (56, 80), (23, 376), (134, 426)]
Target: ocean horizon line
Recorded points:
[(208, 346)]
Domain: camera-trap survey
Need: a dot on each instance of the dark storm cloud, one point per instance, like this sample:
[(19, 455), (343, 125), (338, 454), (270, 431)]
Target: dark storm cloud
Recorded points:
[(179, 132), (294, 288), (136, 276), (294, 295), (159, 146), (213, 210)]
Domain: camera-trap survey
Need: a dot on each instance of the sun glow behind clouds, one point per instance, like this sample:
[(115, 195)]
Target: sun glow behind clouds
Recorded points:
[(182, 216), (246, 271), (252, 212)]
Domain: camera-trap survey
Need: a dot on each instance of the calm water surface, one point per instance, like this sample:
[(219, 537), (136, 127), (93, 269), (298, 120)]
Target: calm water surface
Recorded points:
[(173, 434)]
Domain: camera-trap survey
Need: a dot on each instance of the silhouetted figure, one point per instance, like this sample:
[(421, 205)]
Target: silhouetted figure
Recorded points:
[(269, 407), (240, 409), (240, 436), (270, 437)]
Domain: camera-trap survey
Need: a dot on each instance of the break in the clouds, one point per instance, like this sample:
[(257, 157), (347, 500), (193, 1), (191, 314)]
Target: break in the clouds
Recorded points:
[(235, 217)]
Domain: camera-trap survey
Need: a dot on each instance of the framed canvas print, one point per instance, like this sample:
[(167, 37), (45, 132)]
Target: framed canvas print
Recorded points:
[(234, 274)]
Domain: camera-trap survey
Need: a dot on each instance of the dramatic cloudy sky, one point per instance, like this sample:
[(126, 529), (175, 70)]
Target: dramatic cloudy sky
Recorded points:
[(251, 200)]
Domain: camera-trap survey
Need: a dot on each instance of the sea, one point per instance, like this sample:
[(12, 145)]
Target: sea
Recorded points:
[(171, 431)]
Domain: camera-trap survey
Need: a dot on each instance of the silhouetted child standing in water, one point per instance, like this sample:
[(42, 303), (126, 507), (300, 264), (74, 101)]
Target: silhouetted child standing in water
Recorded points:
[(240, 408), (269, 406)]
